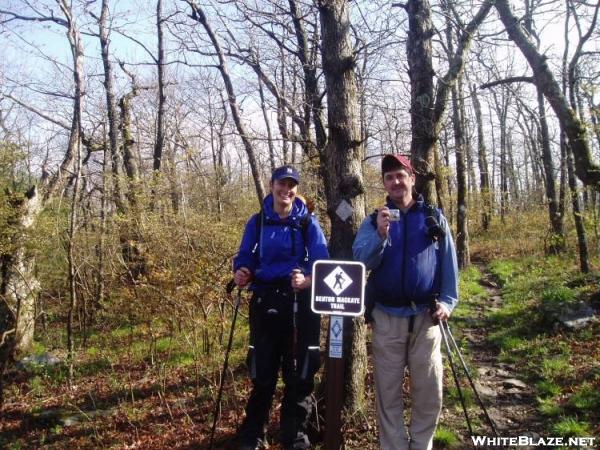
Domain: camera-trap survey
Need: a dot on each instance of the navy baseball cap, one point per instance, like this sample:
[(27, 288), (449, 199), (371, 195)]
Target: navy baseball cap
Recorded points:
[(285, 172)]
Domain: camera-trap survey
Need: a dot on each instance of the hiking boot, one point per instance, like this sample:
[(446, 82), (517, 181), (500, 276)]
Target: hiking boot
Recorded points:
[(301, 442), (258, 444)]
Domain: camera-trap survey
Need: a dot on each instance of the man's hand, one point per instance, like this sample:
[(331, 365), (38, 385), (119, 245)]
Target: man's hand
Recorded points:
[(383, 222), (299, 281), (441, 312), (242, 277)]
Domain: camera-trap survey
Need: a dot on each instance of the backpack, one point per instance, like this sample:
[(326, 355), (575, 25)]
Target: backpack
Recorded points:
[(303, 224)]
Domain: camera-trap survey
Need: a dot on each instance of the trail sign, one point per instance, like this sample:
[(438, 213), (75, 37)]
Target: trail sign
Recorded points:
[(338, 288)]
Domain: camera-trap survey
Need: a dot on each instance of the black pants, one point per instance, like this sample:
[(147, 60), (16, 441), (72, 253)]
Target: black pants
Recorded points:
[(271, 347)]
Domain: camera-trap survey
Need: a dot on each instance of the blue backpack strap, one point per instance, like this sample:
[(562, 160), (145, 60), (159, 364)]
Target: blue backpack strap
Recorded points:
[(259, 218)]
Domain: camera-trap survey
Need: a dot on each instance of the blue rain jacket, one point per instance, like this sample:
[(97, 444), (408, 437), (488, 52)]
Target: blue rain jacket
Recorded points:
[(408, 267), (271, 257)]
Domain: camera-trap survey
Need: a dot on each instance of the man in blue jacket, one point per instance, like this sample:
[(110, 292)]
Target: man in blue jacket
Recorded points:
[(412, 285), (275, 257)]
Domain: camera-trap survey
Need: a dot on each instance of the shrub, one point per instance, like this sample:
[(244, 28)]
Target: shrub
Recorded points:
[(571, 427), (445, 438), (586, 398)]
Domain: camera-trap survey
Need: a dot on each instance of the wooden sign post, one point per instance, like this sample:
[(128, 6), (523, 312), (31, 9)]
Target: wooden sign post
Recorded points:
[(338, 290)]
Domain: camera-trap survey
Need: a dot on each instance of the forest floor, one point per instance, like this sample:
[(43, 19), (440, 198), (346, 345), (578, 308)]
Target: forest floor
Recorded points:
[(534, 382)]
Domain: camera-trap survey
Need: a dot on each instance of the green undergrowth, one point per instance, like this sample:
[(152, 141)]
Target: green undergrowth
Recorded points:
[(561, 364), (446, 438)]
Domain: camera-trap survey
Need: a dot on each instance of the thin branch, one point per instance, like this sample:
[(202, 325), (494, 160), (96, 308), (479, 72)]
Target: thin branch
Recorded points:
[(507, 81), (141, 44), (15, 16), (5, 335), (38, 112)]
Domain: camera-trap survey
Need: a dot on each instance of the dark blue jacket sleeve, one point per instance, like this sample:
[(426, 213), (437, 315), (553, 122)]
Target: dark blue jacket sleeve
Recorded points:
[(317, 244), (245, 256)]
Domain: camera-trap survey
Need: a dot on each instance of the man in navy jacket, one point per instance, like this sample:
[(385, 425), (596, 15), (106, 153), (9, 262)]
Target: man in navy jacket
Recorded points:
[(412, 285)]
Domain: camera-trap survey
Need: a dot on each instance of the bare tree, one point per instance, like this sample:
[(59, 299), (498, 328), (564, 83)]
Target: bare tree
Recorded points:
[(159, 144), (341, 167), (427, 106), (111, 107), (571, 84), (19, 285), (484, 181), (199, 16), (587, 170)]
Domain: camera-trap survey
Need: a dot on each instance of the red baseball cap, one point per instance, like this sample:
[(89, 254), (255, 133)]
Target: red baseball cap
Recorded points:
[(395, 162)]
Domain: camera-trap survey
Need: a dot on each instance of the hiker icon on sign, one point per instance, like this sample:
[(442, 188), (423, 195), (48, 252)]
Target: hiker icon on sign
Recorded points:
[(338, 280)]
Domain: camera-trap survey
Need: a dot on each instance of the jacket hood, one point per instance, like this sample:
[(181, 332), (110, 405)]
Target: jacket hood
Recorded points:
[(299, 210)]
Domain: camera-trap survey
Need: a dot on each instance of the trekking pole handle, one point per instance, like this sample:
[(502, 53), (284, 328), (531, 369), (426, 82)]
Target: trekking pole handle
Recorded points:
[(433, 306), (295, 271), (230, 286)]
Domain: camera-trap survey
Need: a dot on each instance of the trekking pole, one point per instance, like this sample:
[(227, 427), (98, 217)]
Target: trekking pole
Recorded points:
[(295, 353), (487, 416), (455, 376), (230, 287)]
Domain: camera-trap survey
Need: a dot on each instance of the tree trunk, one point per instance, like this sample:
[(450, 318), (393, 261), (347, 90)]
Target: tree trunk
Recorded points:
[(572, 81), (263, 107), (426, 109), (341, 168), (129, 157), (558, 239), (484, 180), (160, 61), (442, 180), (312, 95), (19, 287), (100, 246), (419, 55), (462, 229), (75, 148), (582, 244), (501, 107), (111, 108), (217, 145), (281, 116)]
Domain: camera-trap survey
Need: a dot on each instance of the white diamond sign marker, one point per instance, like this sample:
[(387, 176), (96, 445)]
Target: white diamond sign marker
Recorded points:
[(344, 210), (338, 280)]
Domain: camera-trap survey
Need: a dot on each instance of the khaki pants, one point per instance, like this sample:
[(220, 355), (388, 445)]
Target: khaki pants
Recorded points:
[(394, 349)]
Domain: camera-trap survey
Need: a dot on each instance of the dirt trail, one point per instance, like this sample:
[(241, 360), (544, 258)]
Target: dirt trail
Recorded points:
[(509, 400)]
